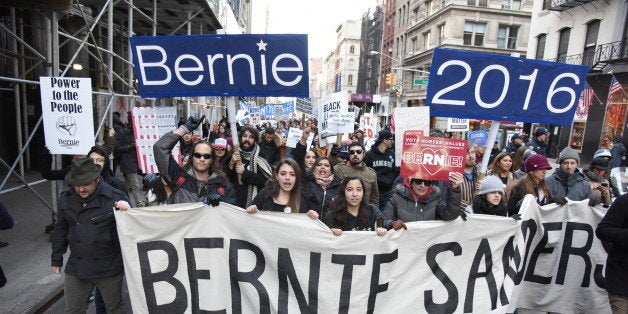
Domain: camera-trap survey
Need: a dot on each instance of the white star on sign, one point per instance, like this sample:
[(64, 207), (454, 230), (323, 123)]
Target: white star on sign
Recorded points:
[(261, 45)]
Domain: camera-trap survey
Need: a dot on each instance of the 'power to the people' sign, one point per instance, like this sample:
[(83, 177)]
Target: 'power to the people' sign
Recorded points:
[(485, 86)]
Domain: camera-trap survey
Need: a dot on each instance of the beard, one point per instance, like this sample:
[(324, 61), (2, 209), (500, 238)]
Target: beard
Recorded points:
[(246, 146)]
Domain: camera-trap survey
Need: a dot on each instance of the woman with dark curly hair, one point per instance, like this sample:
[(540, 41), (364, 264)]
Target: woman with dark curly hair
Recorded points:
[(321, 186), (351, 211)]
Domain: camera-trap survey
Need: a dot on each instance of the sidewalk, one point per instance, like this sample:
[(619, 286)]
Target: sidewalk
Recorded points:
[(26, 260)]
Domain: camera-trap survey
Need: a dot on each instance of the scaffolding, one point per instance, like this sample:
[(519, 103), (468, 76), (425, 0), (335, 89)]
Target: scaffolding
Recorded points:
[(85, 38)]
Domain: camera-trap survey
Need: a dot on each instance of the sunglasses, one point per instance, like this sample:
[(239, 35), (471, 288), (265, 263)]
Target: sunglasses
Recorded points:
[(206, 156), (219, 148), (353, 152), (419, 181)]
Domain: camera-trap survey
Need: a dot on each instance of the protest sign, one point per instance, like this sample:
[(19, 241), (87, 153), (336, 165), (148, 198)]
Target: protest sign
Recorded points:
[(409, 118), (341, 122), (149, 125), (369, 124), (431, 158), (336, 102), (475, 85), (294, 136), (67, 111), (291, 263), (221, 65), (478, 137), (304, 105), (457, 125)]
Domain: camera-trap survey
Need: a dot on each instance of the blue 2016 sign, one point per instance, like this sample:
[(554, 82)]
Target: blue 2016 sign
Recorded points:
[(485, 86), (221, 65)]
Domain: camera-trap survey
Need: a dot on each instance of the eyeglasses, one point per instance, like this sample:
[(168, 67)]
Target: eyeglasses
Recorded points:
[(206, 156), (419, 181), (355, 152)]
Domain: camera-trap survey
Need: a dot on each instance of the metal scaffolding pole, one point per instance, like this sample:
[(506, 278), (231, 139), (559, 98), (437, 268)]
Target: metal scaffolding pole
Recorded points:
[(16, 91)]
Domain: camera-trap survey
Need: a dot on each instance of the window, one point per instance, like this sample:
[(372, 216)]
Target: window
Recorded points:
[(478, 3), (540, 46), (441, 34), (426, 40), (511, 5), (563, 44), (352, 49), (590, 42), (429, 7), (413, 44), (473, 33), (507, 36), (350, 80)]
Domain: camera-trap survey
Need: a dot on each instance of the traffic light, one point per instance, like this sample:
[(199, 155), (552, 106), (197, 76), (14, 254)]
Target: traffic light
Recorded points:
[(393, 79), (389, 79)]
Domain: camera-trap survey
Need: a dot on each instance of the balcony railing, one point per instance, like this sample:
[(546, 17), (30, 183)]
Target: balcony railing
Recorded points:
[(603, 55), (562, 5)]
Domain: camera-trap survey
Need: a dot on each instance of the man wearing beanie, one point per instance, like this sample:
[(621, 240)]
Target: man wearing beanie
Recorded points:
[(381, 158), (539, 142), (567, 180)]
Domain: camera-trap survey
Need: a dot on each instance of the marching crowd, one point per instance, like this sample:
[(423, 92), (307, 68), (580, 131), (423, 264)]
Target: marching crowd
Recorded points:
[(348, 188)]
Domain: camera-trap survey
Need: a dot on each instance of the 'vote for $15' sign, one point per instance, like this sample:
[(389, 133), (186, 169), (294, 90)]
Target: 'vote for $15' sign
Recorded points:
[(486, 86), (431, 158)]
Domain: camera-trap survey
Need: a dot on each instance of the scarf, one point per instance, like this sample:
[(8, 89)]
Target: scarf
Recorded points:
[(323, 182), (255, 162)]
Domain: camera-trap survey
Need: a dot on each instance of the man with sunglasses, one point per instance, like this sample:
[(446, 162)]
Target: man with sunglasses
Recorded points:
[(381, 158), (358, 168), (200, 179)]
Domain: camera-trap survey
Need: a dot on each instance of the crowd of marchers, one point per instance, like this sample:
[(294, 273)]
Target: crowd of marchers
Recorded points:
[(347, 187)]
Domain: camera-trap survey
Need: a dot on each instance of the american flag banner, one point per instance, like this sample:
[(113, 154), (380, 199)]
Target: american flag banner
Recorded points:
[(586, 99), (614, 89)]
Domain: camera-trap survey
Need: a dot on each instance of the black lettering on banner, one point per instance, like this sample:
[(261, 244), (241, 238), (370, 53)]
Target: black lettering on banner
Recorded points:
[(540, 249), (180, 302), (195, 274), (376, 288), (598, 276), (528, 225), (510, 253), (452, 301), (483, 252), (251, 277), (347, 275), (568, 249), (285, 271)]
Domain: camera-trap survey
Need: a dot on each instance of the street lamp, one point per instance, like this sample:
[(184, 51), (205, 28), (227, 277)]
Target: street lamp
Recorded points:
[(399, 69)]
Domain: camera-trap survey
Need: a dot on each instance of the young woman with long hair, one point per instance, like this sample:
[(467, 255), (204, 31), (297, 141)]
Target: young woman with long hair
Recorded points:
[(534, 183), (350, 210), (320, 187), (306, 158), (283, 192), (502, 168)]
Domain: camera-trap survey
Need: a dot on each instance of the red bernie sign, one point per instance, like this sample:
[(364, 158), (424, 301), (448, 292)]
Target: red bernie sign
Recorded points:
[(431, 158)]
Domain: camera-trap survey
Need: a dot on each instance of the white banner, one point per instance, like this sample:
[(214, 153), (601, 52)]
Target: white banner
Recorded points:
[(294, 136), (66, 106), (191, 257), (409, 118)]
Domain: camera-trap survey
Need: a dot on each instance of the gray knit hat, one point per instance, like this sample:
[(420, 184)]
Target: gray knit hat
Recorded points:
[(568, 153), (491, 184)]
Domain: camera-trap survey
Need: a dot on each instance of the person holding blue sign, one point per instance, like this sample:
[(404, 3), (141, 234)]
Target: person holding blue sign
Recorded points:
[(539, 142)]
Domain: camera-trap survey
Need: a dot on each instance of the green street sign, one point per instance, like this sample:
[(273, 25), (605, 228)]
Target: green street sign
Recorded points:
[(418, 81)]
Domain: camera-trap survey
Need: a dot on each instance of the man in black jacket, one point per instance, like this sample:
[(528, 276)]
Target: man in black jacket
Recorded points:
[(126, 153), (86, 223), (381, 158), (269, 146), (539, 142)]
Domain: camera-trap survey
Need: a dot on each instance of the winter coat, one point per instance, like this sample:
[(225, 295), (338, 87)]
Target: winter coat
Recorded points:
[(617, 152), (614, 229), (538, 147), (89, 228), (185, 187), (481, 206), (511, 148), (6, 221), (577, 186), (264, 201), (249, 178), (351, 223), (518, 193), (125, 147), (320, 198), (367, 174), (384, 166), (405, 206), (270, 151), (596, 196)]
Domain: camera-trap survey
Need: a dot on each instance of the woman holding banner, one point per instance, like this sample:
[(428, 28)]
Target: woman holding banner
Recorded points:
[(420, 199), (350, 210), (283, 192)]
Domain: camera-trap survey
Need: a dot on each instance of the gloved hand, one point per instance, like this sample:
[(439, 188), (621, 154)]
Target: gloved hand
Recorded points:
[(516, 216), (335, 150), (559, 199), (213, 199), (398, 224), (192, 123), (463, 215)]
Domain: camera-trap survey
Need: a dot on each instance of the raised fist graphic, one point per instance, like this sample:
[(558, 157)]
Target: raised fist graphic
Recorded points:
[(66, 125)]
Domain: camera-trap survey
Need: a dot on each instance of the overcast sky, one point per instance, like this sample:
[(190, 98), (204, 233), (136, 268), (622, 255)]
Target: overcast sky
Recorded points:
[(319, 19)]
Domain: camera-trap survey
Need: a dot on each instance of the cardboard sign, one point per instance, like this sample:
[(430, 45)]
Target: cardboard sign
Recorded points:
[(66, 106), (369, 123), (457, 125), (294, 135), (478, 137), (431, 157), (409, 118), (336, 102), (341, 122)]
